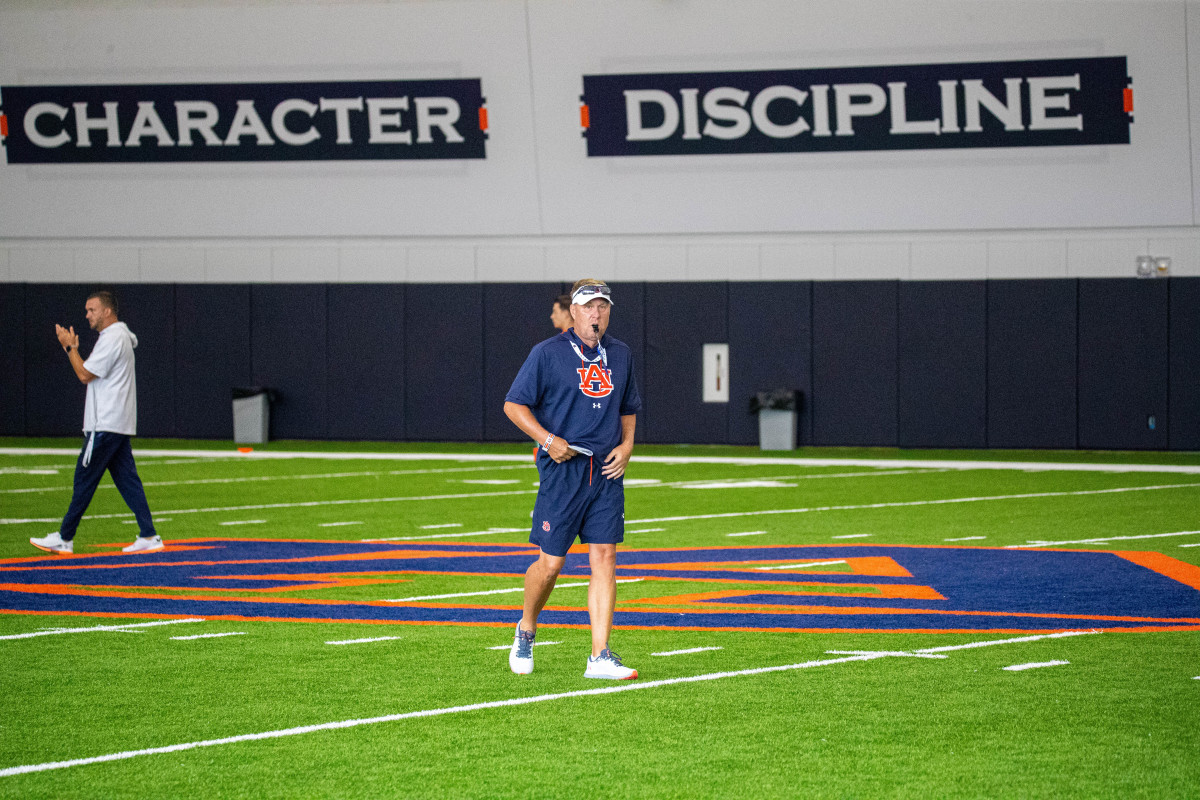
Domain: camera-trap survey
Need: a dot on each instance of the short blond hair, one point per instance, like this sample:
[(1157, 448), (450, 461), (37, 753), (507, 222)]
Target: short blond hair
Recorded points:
[(579, 284)]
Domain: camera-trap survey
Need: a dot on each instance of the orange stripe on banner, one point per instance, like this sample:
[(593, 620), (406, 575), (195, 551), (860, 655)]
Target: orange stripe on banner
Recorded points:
[(1128, 100), (585, 117), (483, 122), (3, 125), (1173, 568)]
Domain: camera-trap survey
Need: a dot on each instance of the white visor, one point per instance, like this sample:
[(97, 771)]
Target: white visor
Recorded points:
[(590, 292)]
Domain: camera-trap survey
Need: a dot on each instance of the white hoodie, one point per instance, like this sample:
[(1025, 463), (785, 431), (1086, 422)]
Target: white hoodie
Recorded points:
[(111, 403)]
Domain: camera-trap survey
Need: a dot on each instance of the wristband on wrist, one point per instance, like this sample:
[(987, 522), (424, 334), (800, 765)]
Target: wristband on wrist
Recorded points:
[(546, 444)]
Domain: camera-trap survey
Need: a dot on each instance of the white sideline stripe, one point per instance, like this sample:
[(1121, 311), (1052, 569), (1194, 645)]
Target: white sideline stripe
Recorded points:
[(965, 539), (445, 525), (904, 504), (446, 535), (243, 522), (1019, 667), (494, 591), (1062, 635), (687, 651), (338, 524), (364, 641), (747, 533), (437, 712), (56, 631), (851, 536), (257, 478), (726, 515), (877, 463), (809, 564), (1103, 539), (1189, 545), (304, 504), (207, 636), (898, 653)]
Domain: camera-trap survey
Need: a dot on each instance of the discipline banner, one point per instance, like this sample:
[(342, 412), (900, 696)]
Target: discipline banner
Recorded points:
[(331, 121), (1054, 102)]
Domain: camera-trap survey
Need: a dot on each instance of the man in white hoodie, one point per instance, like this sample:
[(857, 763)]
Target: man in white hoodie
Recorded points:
[(109, 420)]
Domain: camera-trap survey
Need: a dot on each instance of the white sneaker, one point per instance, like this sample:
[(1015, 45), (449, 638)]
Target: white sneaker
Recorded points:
[(520, 655), (608, 665), (54, 543), (144, 544)]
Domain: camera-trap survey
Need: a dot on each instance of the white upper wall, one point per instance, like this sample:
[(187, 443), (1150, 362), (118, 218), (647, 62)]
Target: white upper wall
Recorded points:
[(538, 207)]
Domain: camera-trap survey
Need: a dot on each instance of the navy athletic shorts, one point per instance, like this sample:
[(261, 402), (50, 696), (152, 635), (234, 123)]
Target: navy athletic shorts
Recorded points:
[(575, 500)]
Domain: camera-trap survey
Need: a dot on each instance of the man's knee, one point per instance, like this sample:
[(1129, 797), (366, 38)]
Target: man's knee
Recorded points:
[(602, 555), (549, 565)]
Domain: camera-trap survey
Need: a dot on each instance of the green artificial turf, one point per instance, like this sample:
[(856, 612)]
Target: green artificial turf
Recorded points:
[(1119, 720)]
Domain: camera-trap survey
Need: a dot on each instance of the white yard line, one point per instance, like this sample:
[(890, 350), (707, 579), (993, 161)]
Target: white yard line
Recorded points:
[(807, 564), (687, 651), (244, 522), (648, 530), (965, 539), (509, 646), (122, 628), (908, 503), (726, 515), (1102, 539), (1035, 665), (747, 533), (338, 524), (364, 641), (208, 636), (437, 712), (495, 591), (1019, 639), (444, 525), (749, 461), (851, 536), (488, 532)]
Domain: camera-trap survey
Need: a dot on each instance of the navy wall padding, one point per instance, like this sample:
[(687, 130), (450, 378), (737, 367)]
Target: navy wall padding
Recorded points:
[(1123, 362), (443, 378), (366, 361), (854, 363), (149, 311), (12, 359), (516, 316), (628, 323), (1185, 364), (1031, 379), (680, 319), (288, 354), (942, 364), (212, 356), (770, 347), (53, 395)]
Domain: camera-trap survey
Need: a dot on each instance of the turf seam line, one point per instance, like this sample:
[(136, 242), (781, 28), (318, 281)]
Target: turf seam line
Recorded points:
[(518, 701)]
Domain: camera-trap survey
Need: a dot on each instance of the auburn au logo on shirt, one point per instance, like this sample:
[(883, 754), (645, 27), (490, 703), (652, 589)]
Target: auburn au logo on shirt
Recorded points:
[(594, 381)]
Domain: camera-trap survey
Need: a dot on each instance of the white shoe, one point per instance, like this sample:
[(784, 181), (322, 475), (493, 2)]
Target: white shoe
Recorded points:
[(520, 655), (54, 543), (608, 665), (144, 544)]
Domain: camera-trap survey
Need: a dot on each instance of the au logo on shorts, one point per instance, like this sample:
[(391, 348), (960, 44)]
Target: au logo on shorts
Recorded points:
[(546, 526), (594, 381)]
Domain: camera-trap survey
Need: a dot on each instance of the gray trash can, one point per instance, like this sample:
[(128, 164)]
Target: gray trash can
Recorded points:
[(777, 411), (251, 415)]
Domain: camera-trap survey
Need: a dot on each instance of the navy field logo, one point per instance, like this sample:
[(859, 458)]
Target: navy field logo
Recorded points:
[(418, 119), (1054, 102)]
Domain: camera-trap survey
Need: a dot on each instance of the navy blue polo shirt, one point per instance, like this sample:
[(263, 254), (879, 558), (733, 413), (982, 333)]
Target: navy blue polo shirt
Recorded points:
[(579, 399)]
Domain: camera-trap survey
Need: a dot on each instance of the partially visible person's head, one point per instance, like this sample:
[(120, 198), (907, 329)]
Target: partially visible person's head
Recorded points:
[(591, 302), (101, 308), (560, 313)]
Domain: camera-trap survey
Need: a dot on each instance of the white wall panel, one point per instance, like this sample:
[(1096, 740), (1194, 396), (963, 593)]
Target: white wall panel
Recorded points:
[(717, 262), (107, 264), (870, 261), (237, 265), (570, 263), (798, 262), (507, 263), (361, 264), (1104, 258), (1027, 258), (5, 272), (1184, 254), (297, 264), (652, 263), (42, 264), (171, 264), (444, 264), (949, 260)]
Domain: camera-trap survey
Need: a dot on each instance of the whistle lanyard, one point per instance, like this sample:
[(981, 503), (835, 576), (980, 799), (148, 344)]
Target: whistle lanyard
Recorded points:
[(602, 358)]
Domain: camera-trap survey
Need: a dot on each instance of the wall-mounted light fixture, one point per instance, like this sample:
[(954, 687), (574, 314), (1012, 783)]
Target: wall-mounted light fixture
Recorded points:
[(1153, 266)]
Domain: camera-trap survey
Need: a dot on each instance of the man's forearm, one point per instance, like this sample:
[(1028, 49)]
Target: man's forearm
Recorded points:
[(77, 365)]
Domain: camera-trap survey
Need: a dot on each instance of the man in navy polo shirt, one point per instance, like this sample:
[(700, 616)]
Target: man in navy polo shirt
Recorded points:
[(576, 397)]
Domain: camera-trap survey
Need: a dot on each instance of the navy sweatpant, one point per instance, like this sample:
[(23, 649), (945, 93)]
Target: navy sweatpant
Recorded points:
[(112, 452)]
